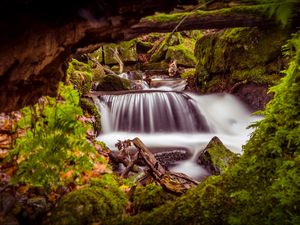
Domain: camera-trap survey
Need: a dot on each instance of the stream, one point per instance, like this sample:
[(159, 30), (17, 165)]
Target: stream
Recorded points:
[(166, 118)]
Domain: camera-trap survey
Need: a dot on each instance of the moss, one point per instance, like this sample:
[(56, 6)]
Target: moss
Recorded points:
[(241, 53), (126, 50), (99, 203), (98, 73), (113, 83), (169, 40), (216, 157), (188, 73), (88, 106), (174, 17), (98, 55), (258, 75), (149, 197), (80, 75), (184, 56)]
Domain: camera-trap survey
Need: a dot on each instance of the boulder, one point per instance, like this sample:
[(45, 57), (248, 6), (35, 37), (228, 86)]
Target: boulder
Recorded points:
[(100, 203), (127, 52), (183, 55), (216, 158), (113, 83)]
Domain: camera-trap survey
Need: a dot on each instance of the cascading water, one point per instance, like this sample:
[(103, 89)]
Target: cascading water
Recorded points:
[(154, 112), (173, 119)]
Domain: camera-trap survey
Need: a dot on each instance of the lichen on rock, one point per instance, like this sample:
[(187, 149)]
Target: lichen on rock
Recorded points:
[(216, 158)]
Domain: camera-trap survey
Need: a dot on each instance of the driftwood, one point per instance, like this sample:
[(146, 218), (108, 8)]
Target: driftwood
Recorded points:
[(176, 183)]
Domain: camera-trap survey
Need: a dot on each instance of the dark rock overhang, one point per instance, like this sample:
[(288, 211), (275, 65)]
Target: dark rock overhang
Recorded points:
[(38, 37)]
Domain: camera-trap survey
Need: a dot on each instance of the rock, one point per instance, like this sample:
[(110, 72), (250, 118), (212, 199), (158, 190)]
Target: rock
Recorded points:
[(113, 83), (230, 56), (169, 157), (100, 203), (183, 55), (254, 95), (36, 45), (7, 202), (39, 207), (215, 157), (127, 52), (80, 75), (89, 106)]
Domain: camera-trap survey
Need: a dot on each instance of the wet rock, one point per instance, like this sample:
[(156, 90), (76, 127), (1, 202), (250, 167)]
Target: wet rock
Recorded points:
[(255, 96), (169, 157), (39, 207), (215, 157), (7, 202)]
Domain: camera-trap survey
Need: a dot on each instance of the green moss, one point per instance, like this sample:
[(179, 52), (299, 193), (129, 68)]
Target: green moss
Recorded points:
[(100, 203), (183, 55), (161, 50), (188, 73), (258, 75), (218, 155), (88, 106), (241, 53), (149, 197), (176, 17), (80, 75), (127, 52), (113, 83)]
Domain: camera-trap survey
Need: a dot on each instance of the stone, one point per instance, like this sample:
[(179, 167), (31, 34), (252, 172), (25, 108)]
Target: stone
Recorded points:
[(216, 158), (127, 52), (113, 83)]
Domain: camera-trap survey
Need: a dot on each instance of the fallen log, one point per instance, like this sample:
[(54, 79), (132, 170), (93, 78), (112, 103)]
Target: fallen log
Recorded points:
[(176, 183)]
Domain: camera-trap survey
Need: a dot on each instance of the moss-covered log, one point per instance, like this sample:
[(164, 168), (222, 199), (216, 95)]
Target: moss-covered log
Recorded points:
[(239, 16)]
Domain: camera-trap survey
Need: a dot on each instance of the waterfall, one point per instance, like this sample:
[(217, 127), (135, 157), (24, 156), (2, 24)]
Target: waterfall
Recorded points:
[(152, 112)]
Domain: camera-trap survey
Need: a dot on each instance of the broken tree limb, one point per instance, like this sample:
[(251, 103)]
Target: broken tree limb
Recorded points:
[(176, 183), (130, 165)]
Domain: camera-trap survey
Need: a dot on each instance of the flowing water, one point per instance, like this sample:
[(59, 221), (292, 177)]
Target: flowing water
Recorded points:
[(168, 119)]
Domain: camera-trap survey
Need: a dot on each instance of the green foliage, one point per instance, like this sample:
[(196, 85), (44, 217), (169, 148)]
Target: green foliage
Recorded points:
[(54, 142), (100, 203), (282, 10), (188, 73), (149, 197)]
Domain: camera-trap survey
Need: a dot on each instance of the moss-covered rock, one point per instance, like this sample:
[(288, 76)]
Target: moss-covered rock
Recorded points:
[(98, 55), (184, 56), (150, 197), (161, 47), (188, 73), (80, 75), (241, 54), (216, 158), (127, 52), (100, 203), (113, 83), (88, 106)]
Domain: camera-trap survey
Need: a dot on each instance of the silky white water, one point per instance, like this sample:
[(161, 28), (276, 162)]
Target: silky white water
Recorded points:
[(221, 115)]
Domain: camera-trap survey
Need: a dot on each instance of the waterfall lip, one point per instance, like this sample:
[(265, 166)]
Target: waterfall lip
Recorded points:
[(125, 92)]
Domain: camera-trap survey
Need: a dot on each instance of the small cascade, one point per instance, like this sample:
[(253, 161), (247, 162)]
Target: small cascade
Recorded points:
[(153, 112)]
